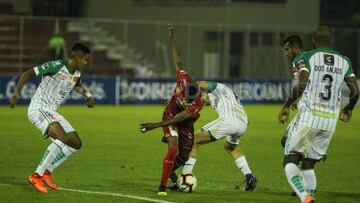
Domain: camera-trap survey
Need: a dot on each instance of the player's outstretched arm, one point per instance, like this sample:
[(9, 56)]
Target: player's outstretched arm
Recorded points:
[(353, 98), (23, 79), (203, 85), (144, 127), (90, 99), (174, 50)]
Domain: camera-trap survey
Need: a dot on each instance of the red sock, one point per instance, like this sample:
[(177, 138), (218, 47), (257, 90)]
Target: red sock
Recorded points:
[(168, 164)]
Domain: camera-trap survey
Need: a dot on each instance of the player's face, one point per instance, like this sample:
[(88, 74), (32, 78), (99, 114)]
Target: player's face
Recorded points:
[(290, 52), (82, 60)]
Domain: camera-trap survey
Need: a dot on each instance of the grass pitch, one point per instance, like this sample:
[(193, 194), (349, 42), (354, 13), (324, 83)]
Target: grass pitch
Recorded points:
[(119, 164)]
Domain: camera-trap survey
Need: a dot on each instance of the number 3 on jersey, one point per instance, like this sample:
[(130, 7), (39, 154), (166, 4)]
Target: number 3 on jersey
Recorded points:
[(326, 95)]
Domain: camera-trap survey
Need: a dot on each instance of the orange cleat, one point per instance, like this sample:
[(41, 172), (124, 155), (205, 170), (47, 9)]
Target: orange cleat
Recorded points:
[(37, 182), (47, 179), (309, 199)]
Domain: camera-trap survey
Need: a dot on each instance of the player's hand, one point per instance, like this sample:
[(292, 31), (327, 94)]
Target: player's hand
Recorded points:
[(345, 115), (284, 115), (283, 141), (171, 32), (90, 102), (13, 100), (144, 127)]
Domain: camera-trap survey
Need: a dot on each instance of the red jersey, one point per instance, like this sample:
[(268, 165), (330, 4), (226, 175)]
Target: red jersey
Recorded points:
[(178, 103)]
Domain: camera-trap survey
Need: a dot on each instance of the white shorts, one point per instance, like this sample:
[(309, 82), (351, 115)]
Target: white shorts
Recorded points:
[(291, 127), (232, 128), (310, 142), (42, 119)]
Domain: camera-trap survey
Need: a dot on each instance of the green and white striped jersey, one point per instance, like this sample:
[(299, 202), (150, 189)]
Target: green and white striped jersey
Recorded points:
[(225, 101), (319, 106), (56, 83)]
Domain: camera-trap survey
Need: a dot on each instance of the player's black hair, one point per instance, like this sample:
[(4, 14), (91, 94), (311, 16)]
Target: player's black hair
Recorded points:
[(80, 48), (294, 40), (191, 91)]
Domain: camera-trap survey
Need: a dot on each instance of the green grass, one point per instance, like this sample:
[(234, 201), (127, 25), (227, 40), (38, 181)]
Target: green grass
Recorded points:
[(116, 158)]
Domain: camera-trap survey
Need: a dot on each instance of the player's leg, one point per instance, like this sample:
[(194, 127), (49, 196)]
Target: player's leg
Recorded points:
[(72, 146), (294, 149), (201, 137), (48, 124), (289, 130), (308, 175), (171, 137), (242, 164), (319, 142)]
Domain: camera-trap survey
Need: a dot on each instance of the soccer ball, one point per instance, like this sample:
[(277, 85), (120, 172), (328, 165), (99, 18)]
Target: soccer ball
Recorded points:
[(187, 182)]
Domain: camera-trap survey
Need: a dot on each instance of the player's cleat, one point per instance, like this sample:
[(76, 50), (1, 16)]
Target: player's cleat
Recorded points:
[(173, 187), (47, 179), (251, 181), (309, 199), (162, 190), (37, 182)]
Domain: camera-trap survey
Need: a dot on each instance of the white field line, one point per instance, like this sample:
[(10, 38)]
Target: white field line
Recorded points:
[(104, 193)]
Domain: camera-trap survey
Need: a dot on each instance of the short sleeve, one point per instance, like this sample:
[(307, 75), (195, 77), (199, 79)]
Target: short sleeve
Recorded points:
[(48, 68), (211, 86), (301, 62), (349, 72)]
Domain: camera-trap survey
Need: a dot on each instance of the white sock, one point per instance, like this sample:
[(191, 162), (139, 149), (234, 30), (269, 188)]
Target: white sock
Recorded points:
[(48, 156), (188, 166), (309, 181), (293, 176), (62, 156), (242, 164)]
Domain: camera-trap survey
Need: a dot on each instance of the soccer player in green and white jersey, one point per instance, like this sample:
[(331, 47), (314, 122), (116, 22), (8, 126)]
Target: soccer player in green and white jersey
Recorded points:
[(58, 79), (231, 124), (321, 73)]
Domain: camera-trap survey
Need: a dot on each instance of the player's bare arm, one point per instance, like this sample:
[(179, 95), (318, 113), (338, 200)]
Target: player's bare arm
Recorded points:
[(296, 94), (23, 79), (353, 98), (89, 97), (174, 50), (144, 127), (203, 85)]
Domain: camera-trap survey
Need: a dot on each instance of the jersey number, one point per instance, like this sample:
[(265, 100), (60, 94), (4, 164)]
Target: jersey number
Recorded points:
[(327, 79)]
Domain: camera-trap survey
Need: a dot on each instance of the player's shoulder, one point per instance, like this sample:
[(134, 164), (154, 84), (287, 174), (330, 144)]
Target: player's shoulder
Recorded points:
[(54, 64)]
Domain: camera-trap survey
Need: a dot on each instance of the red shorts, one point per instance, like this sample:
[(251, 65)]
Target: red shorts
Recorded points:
[(185, 135)]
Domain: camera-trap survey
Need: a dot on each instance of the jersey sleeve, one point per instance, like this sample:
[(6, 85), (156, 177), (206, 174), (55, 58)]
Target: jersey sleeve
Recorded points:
[(48, 68), (349, 72), (211, 86), (301, 63)]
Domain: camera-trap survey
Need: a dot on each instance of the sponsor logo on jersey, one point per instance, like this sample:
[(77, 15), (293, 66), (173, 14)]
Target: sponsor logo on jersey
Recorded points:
[(328, 59), (301, 63), (62, 76), (45, 66)]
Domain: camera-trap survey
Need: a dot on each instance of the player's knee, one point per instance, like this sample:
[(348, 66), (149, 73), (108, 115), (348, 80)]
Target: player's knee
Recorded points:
[(74, 141), (293, 158), (308, 164), (229, 147)]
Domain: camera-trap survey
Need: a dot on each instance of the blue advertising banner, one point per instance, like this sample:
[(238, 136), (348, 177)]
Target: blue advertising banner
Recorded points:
[(102, 88), (150, 91)]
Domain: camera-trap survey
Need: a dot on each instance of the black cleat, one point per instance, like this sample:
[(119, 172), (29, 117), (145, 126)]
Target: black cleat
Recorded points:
[(251, 181), (173, 187)]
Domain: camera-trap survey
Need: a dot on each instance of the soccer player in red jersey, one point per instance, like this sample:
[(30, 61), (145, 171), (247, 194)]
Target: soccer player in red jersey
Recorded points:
[(180, 113)]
